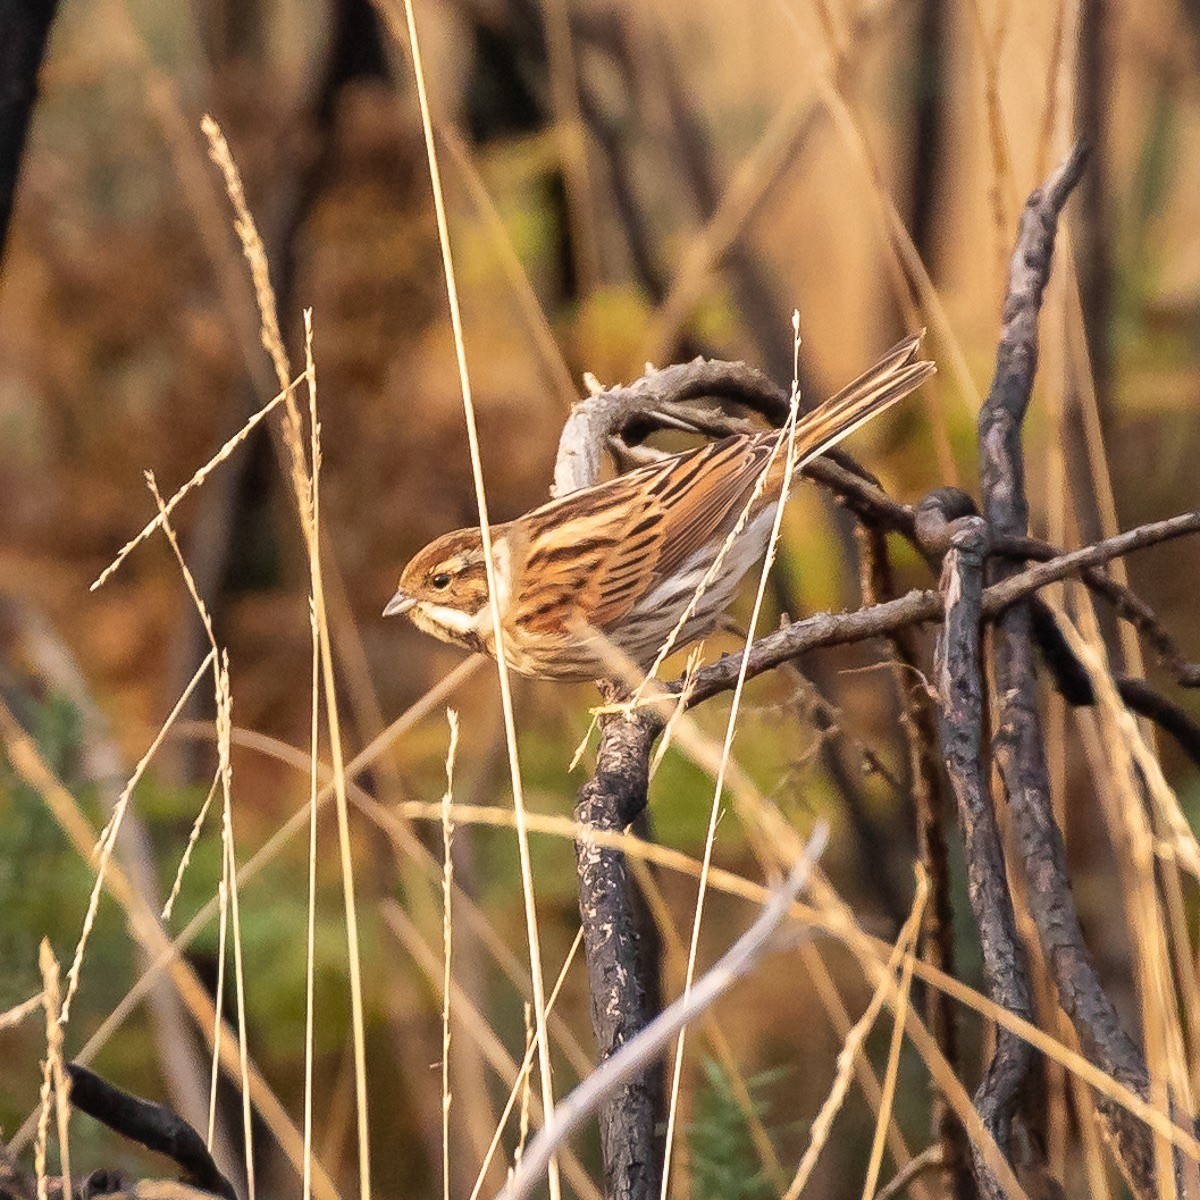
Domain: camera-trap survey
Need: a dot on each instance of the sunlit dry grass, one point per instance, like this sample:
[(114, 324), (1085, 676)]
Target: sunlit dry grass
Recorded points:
[(822, 113)]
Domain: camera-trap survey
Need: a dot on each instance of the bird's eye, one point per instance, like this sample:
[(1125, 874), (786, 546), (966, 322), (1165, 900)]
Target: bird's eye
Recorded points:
[(440, 580)]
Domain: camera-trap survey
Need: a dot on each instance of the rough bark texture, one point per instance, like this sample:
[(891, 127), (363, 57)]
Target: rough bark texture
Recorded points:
[(1019, 744), (959, 673), (622, 977)]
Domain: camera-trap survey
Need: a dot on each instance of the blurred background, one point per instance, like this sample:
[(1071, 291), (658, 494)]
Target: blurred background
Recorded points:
[(626, 182)]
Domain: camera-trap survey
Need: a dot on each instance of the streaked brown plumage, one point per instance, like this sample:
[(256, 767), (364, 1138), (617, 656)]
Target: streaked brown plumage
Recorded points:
[(621, 560)]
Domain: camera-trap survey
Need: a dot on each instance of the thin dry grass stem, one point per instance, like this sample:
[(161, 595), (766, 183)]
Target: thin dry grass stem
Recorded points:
[(26, 760), (310, 932), (510, 728), (196, 480), (788, 436), (447, 940), (108, 836), (520, 1089), (20, 1012), (224, 725), (477, 1027), (692, 665), (186, 858), (314, 627), (219, 1000), (676, 958), (523, 1114), (932, 1158), (303, 476), (893, 1063), (864, 1072), (56, 1086), (167, 957), (852, 1047), (1128, 767)]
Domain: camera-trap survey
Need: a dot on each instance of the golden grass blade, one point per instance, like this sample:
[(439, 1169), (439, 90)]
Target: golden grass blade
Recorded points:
[(108, 836), (521, 1086), (196, 480), (447, 941), (56, 1086), (893, 1063), (788, 437), (510, 728), (303, 485), (851, 1048)]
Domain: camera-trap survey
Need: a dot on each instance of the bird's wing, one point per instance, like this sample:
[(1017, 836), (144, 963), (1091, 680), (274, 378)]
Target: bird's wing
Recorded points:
[(595, 552)]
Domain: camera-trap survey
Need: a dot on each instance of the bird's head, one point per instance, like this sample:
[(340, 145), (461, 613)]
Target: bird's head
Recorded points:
[(443, 590)]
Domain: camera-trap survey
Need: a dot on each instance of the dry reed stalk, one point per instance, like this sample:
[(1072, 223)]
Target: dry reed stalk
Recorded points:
[(224, 723), (520, 1088), (897, 1044), (219, 1004), (19, 1012), (303, 488), (107, 840), (447, 941), (186, 857), (526, 1067), (31, 768), (510, 728), (822, 1124), (787, 437), (467, 1011), (56, 1086)]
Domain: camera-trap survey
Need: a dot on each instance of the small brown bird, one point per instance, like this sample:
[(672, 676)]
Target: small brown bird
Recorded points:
[(621, 560)]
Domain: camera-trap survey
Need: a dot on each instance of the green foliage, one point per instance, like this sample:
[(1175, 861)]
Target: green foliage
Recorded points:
[(723, 1159)]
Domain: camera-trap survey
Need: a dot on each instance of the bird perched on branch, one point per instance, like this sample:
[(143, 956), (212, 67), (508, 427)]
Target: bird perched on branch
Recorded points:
[(652, 556)]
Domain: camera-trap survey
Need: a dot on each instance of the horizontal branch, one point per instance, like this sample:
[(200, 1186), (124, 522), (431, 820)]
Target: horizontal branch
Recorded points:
[(916, 607)]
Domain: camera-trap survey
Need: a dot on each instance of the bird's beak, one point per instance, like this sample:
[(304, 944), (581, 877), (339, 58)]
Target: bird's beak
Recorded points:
[(399, 604)]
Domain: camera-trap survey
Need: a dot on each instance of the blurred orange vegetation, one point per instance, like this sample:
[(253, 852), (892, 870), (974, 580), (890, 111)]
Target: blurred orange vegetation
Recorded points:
[(130, 341)]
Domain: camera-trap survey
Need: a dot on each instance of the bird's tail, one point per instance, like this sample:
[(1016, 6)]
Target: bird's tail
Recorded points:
[(891, 379)]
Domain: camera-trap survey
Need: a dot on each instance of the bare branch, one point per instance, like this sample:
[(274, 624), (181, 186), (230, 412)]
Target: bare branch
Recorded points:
[(648, 1046), (1019, 743), (959, 673)]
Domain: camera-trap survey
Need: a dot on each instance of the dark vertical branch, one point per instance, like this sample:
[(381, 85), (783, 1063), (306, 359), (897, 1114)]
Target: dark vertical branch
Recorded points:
[(959, 672), (24, 31), (918, 721), (620, 986), (1020, 747)]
